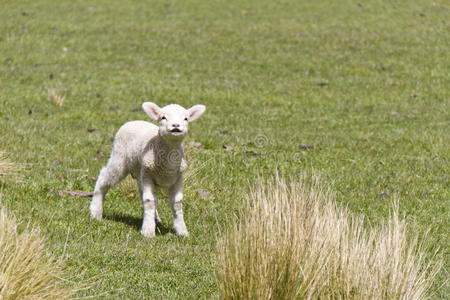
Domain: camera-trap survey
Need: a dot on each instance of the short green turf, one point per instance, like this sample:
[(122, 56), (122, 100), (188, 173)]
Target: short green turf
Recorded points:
[(362, 85)]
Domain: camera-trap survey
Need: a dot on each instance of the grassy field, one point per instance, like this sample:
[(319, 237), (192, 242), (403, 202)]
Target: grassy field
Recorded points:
[(357, 91)]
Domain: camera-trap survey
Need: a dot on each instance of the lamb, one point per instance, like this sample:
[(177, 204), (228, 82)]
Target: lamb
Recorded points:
[(154, 156)]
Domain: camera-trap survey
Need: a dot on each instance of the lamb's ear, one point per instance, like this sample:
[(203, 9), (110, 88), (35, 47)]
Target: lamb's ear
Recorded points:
[(152, 110), (195, 112)]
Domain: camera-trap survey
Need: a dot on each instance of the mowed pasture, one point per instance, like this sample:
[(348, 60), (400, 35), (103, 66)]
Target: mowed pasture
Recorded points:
[(356, 91)]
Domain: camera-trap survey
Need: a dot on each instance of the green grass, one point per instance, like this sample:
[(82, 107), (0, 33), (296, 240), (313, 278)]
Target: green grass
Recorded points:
[(365, 83)]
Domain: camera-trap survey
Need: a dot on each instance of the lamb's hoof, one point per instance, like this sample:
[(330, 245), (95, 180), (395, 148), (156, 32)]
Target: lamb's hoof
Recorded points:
[(157, 221), (96, 214), (181, 232), (148, 233)]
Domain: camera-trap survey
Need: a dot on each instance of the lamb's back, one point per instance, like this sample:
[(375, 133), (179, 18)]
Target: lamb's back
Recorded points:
[(131, 140)]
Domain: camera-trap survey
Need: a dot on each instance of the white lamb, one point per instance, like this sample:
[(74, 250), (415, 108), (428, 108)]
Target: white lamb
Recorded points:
[(154, 157)]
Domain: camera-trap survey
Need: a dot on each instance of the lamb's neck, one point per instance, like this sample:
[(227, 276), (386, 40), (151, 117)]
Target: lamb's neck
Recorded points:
[(169, 157), (169, 145)]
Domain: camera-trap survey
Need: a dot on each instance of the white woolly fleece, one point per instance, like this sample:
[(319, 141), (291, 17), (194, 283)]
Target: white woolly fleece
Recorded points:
[(154, 156)]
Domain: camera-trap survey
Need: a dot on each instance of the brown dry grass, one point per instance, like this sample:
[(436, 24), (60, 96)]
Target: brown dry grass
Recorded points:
[(128, 187), (295, 242), (55, 97), (26, 271)]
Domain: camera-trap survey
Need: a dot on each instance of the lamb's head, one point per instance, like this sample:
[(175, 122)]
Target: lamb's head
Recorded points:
[(173, 119)]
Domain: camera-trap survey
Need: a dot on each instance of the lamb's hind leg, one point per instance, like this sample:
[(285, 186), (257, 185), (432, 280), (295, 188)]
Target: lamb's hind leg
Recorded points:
[(111, 174)]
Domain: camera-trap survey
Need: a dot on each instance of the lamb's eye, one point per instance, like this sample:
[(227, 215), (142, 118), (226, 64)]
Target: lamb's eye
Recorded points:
[(163, 118), (185, 119)]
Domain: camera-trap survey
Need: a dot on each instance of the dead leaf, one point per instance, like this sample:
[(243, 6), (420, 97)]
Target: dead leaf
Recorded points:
[(251, 152), (204, 193), (227, 148), (383, 195), (91, 130), (70, 193), (306, 147), (195, 145), (225, 132), (57, 162), (99, 154)]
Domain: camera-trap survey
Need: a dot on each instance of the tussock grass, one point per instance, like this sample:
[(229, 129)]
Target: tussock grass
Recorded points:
[(26, 272), (295, 242), (55, 97), (9, 171), (128, 187)]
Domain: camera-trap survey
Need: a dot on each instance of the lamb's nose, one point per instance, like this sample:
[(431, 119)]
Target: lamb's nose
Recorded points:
[(175, 125)]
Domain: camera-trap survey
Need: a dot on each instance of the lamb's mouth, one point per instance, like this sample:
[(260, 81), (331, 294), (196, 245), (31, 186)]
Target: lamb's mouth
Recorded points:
[(175, 131)]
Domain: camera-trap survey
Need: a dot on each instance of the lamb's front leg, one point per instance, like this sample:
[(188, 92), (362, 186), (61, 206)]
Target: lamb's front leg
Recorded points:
[(176, 198), (157, 219), (148, 197)]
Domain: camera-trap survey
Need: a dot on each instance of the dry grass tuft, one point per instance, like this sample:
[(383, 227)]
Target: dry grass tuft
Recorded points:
[(128, 187), (295, 242), (55, 98), (9, 171), (191, 175), (26, 272)]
